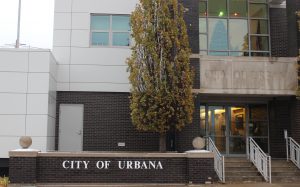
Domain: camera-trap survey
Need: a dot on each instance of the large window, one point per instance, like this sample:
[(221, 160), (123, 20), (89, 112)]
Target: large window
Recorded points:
[(110, 30), (234, 28)]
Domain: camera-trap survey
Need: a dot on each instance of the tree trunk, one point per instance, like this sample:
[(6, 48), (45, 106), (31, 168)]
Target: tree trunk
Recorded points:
[(162, 143)]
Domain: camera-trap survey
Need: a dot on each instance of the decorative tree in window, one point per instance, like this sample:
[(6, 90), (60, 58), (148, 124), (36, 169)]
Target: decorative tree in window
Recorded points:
[(161, 94)]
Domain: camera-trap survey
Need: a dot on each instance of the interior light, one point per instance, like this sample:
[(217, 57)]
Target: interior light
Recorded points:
[(236, 14), (221, 14)]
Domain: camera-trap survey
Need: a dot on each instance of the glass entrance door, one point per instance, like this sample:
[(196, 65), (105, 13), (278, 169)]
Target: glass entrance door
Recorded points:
[(237, 130), (226, 125)]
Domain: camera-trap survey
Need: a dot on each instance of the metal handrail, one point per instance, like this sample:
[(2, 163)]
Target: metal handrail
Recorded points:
[(293, 151), (260, 159), (218, 159)]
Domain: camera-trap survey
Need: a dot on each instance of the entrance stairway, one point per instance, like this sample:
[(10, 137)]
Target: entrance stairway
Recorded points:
[(241, 170), (284, 171)]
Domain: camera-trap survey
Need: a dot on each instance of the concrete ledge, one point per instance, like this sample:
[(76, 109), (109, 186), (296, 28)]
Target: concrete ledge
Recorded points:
[(24, 153), (127, 155)]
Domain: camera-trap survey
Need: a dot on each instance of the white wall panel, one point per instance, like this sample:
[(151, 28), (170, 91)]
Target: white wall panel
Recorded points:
[(38, 82), (61, 38), (51, 106), (100, 87), (39, 61), (51, 126), (104, 6), (53, 66), (80, 38), (36, 125), (81, 21), (100, 55), (37, 104), (92, 73), (39, 143), (62, 54), (63, 5), (62, 21), (13, 82), (11, 143), (63, 73), (12, 103), (52, 87), (13, 61), (12, 125), (63, 86)]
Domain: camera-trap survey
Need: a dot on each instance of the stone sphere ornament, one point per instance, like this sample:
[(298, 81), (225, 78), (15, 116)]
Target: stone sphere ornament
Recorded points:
[(198, 143), (25, 142)]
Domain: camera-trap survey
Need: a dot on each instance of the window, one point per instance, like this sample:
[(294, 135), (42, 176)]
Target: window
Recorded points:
[(110, 30), (226, 27)]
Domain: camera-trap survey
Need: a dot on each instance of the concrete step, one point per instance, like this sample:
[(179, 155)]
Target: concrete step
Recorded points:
[(286, 174), (276, 179), (238, 164), (236, 159), (240, 169), (243, 179), (242, 173)]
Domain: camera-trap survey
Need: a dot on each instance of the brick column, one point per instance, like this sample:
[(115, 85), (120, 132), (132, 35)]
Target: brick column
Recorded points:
[(200, 167), (23, 166)]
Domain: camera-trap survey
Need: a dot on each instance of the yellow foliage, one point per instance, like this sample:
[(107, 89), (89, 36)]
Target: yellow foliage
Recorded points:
[(160, 74)]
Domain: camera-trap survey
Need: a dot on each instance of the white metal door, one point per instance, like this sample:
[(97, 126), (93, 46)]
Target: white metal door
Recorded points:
[(70, 127)]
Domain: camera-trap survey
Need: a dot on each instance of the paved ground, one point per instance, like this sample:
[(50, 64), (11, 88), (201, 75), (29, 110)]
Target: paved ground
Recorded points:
[(159, 185)]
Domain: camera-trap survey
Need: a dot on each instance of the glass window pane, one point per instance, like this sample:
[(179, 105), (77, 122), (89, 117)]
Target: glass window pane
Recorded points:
[(237, 145), (239, 53), (259, 43), (121, 39), (260, 54), (258, 10), (202, 25), (203, 42), (202, 121), (100, 38), (120, 23), (262, 143), (238, 8), (202, 8), (258, 128), (215, 53), (238, 34), (218, 40), (217, 8), (259, 27), (100, 22)]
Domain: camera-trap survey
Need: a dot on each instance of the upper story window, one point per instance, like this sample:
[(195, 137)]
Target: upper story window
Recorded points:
[(234, 28), (110, 30)]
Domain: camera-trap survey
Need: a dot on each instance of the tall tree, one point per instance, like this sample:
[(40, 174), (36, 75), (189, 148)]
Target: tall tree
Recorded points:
[(161, 93)]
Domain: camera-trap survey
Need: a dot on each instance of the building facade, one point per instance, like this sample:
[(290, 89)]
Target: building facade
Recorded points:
[(243, 54)]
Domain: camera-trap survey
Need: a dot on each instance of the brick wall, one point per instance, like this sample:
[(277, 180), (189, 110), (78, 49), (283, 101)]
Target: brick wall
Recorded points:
[(178, 168), (280, 119), (195, 66), (186, 136), (50, 170), (295, 128), (106, 122), (279, 32), (22, 170), (293, 35), (192, 23)]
